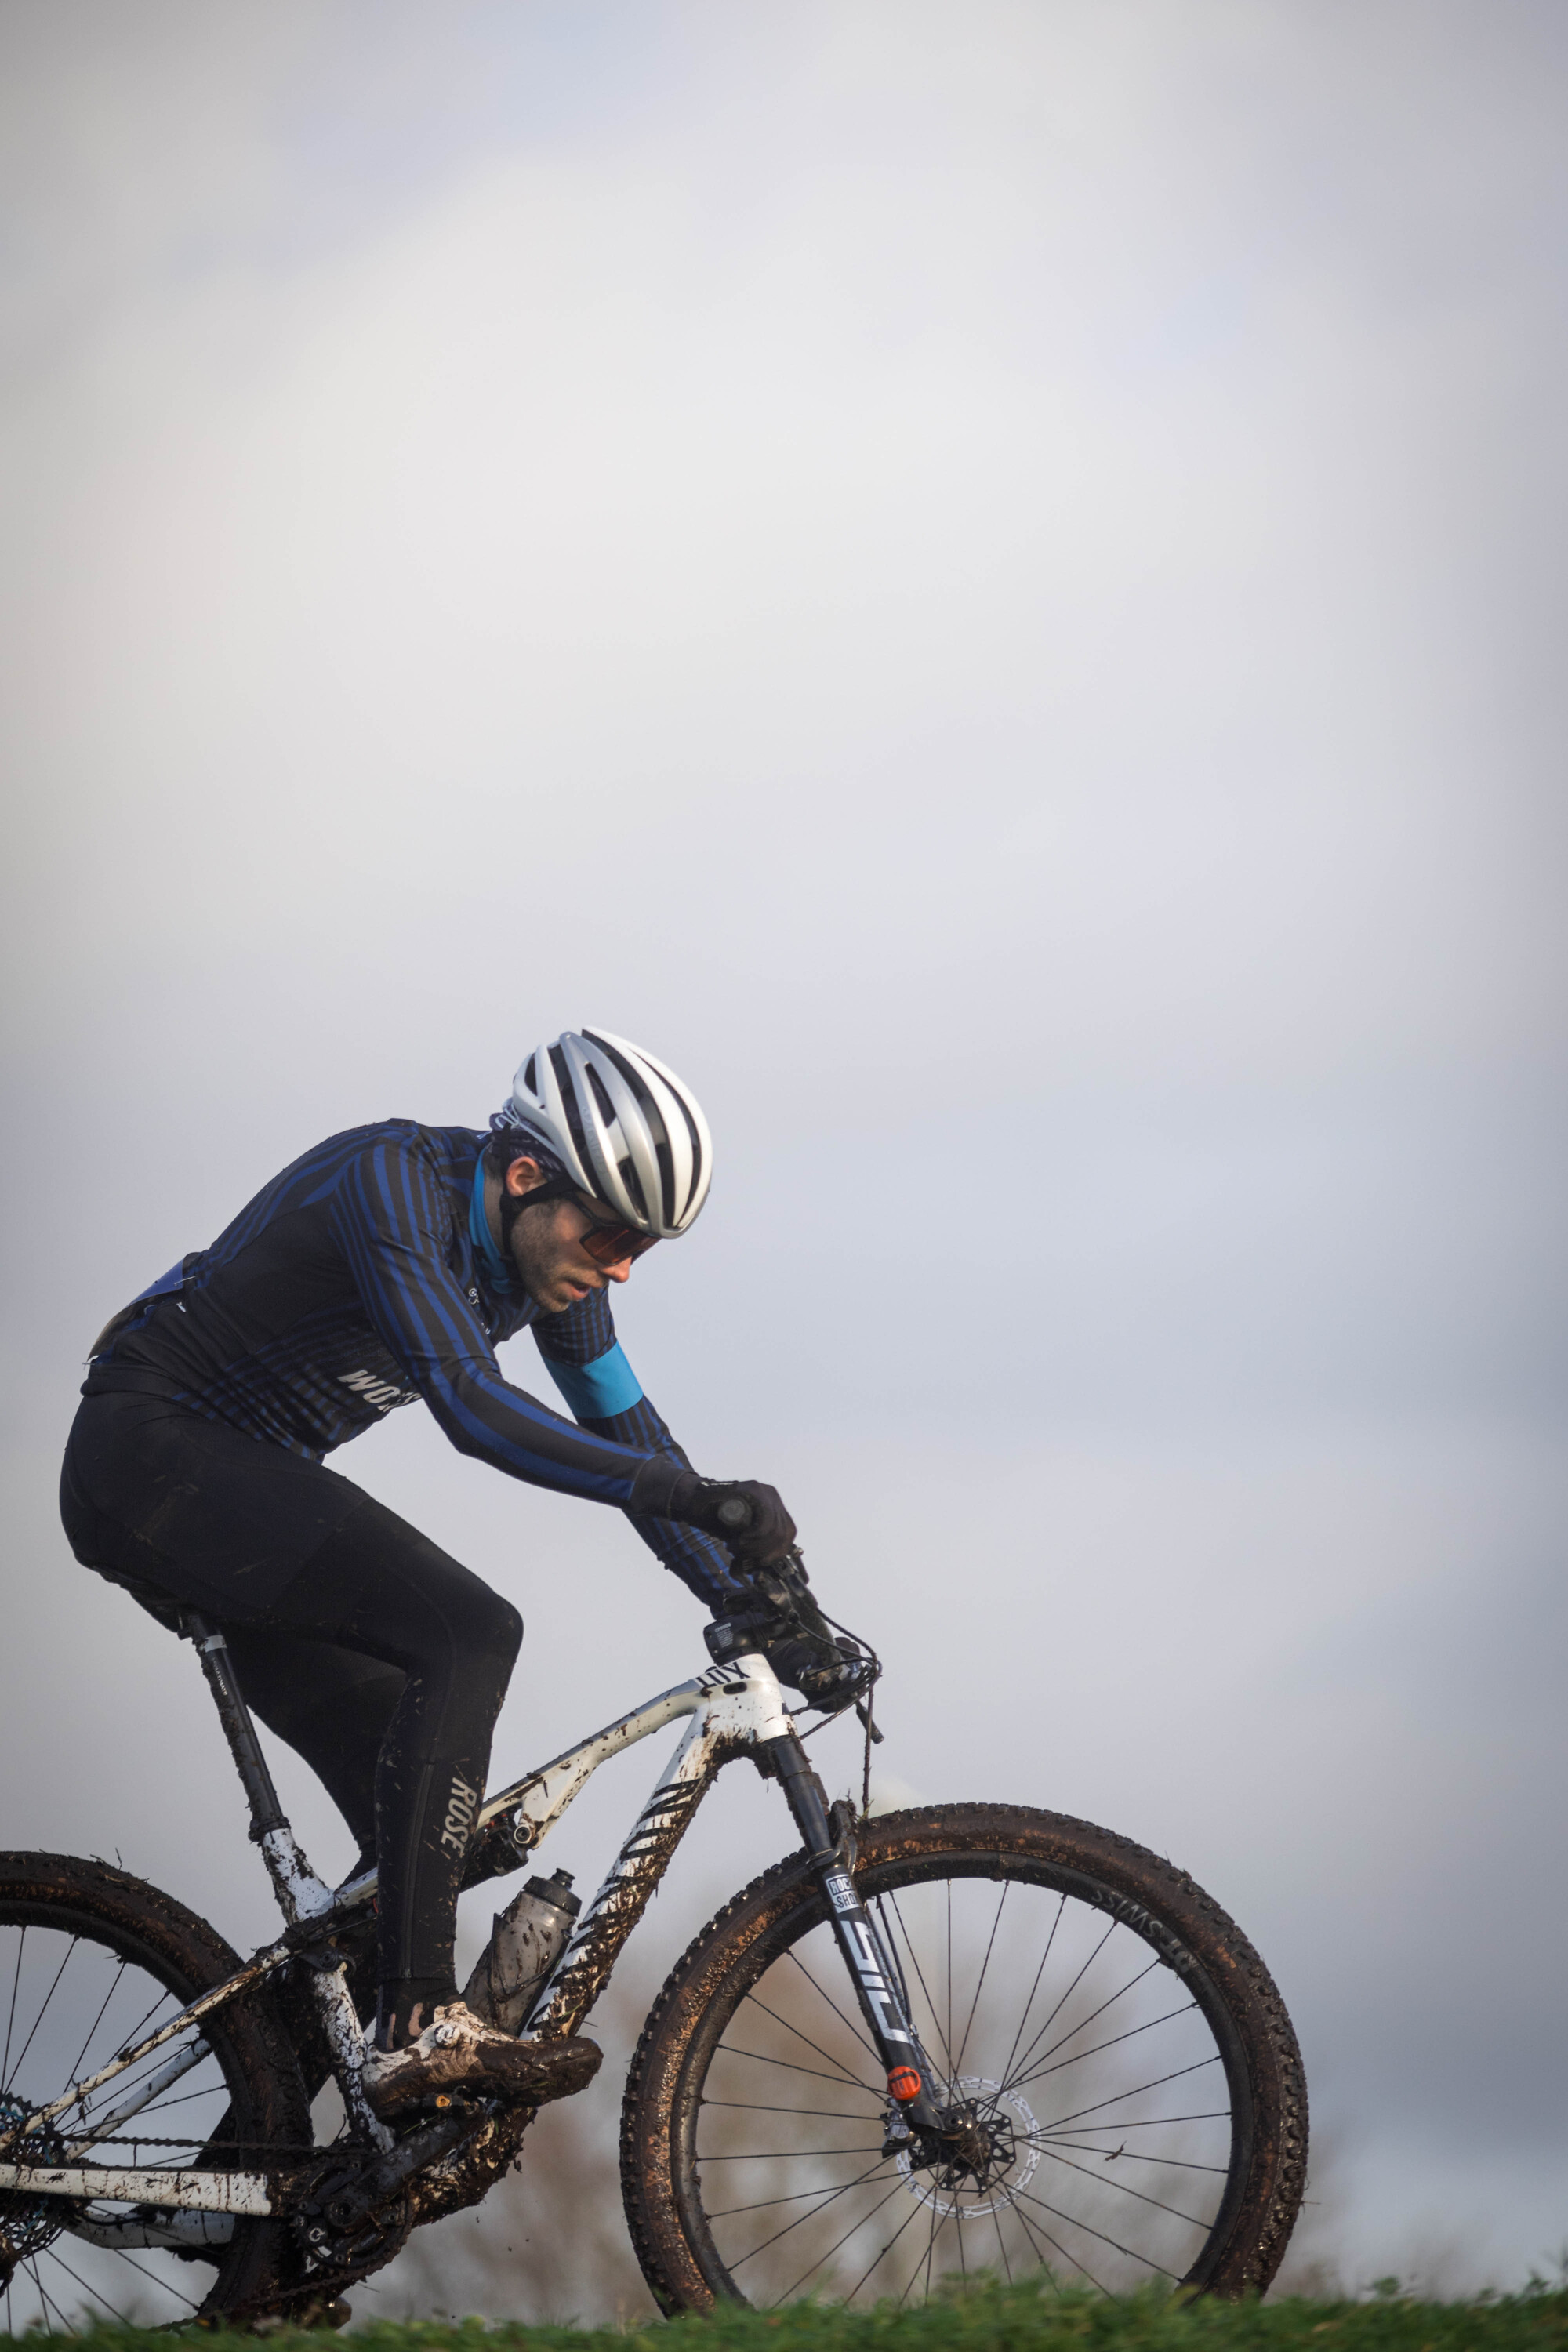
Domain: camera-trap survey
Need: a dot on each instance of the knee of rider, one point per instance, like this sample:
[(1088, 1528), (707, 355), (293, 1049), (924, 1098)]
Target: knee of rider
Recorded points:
[(506, 1638), (492, 1632)]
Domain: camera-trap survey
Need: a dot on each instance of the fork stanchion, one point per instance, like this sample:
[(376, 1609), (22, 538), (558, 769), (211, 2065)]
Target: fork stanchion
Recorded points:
[(912, 2080)]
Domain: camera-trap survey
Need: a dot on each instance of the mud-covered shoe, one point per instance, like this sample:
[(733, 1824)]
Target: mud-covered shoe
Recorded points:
[(458, 2052)]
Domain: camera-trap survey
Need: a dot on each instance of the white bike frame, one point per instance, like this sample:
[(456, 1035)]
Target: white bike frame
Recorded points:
[(730, 1709)]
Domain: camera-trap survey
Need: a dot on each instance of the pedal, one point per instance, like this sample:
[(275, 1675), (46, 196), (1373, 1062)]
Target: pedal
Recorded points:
[(455, 2102)]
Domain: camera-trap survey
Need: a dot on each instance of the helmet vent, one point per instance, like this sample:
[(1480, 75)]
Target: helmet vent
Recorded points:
[(696, 1161), (630, 1180), (569, 1104), (600, 1097), (658, 1134)]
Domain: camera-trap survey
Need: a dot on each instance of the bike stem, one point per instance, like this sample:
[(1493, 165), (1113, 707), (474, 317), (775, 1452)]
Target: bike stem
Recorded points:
[(913, 2081)]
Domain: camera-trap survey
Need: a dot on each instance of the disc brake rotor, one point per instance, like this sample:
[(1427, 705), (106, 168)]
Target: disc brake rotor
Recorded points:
[(989, 2159)]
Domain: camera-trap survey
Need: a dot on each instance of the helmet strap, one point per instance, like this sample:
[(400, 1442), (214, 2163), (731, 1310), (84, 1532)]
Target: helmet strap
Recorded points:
[(512, 1204)]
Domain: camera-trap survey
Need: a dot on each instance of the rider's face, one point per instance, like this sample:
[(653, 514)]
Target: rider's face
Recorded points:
[(545, 1246)]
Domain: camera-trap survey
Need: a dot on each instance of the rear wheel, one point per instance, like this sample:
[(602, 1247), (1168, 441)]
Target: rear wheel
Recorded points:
[(1128, 2084), (92, 1961)]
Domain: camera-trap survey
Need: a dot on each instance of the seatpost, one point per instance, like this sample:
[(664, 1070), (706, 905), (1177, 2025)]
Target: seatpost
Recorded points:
[(299, 1891), (217, 1664)]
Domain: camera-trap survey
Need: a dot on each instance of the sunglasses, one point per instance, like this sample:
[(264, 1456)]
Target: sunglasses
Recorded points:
[(606, 1244), (610, 1244)]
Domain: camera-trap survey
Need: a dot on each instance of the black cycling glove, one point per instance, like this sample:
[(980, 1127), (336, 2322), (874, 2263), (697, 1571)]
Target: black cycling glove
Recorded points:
[(779, 1616), (748, 1517)]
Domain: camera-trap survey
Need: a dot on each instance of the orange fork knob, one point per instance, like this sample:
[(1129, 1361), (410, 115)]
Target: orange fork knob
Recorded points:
[(904, 2083)]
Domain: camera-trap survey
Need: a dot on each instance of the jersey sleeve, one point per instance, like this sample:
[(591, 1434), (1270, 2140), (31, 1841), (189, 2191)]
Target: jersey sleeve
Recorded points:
[(589, 1367), (393, 1222)]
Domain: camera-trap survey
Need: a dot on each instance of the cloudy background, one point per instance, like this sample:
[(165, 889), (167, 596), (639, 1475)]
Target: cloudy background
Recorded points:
[(987, 579)]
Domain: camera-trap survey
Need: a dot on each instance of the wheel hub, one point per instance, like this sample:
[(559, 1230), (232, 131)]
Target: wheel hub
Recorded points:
[(972, 2147), (982, 2157)]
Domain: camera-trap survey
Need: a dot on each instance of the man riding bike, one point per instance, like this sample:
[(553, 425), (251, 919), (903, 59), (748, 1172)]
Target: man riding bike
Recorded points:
[(384, 1265)]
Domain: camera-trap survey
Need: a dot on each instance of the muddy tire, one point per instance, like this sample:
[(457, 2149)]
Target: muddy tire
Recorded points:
[(1128, 2067), (91, 1958)]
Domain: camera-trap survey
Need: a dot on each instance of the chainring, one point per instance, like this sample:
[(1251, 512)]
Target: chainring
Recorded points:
[(330, 2233)]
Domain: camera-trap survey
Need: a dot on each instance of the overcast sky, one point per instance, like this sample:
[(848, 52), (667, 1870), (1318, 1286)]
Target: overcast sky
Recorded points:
[(987, 580)]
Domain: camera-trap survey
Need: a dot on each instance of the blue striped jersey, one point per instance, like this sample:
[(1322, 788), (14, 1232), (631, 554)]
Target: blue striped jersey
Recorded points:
[(362, 1277)]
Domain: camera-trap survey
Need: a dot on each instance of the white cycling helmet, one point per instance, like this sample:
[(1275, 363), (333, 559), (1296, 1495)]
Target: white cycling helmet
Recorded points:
[(625, 1128)]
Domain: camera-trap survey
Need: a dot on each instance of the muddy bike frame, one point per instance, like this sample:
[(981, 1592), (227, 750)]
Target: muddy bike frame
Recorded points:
[(734, 1710)]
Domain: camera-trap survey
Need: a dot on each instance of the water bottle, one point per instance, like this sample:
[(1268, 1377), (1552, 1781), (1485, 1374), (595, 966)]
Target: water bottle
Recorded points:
[(526, 1940)]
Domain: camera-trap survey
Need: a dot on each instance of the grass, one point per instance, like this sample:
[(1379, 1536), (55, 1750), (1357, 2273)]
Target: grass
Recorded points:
[(984, 2317)]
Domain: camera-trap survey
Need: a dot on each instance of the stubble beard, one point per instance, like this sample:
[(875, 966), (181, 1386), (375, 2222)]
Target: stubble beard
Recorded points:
[(539, 1255)]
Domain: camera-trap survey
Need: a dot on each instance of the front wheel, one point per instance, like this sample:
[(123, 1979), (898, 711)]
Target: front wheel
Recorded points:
[(1131, 2082)]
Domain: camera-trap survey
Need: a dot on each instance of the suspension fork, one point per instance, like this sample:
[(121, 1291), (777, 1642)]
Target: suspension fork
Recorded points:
[(912, 2082)]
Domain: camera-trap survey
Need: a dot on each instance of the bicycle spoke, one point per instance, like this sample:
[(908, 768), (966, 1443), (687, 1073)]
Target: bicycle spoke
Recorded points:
[(947, 2044), (833, 2005), (791, 2067), (1176, 2163), (47, 1998), (827, 2198), (1074, 2223), (181, 2098), (48, 2300), (93, 2295), (1066, 1998), (74, 2069), (143, 2272), (1002, 2244), (1104, 2005), (879, 2256), (817, 2115), (844, 2241), (11, 2013), (794, 2197), (1149, 2122), (1036, 2073), (1112, 2183), (920, 1973), (890, 1946), (790, 2155), (799, 2036), (1030, 2232), (986, 1963), (931, 2251), (129, 2041), (1195, 2068), (1034, 1989)]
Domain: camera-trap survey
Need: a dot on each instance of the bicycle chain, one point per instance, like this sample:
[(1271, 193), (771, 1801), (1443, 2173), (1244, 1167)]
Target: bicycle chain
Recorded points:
[(229, 2146)]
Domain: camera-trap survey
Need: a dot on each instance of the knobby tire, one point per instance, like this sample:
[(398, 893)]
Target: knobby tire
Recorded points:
[(1159, 1959)]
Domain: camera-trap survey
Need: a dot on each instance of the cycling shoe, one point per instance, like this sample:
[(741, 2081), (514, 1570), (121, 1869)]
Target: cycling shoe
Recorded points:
[(458, 2052)]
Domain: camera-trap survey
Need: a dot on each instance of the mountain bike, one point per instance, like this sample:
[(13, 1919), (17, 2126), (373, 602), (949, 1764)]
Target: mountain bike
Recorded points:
[(952, 2039)]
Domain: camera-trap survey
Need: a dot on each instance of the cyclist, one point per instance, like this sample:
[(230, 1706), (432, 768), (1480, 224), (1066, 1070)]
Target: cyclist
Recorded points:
[(384, 1265)]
